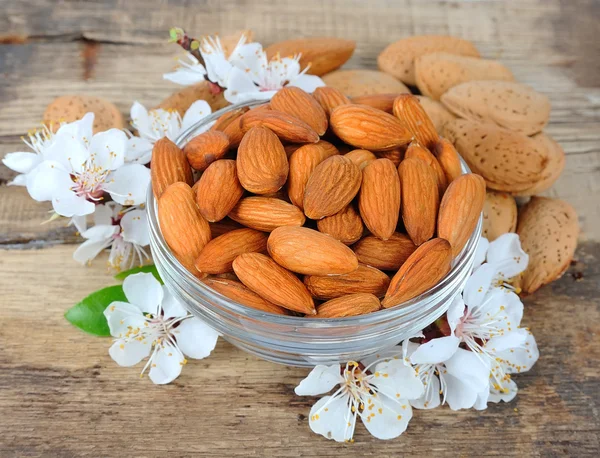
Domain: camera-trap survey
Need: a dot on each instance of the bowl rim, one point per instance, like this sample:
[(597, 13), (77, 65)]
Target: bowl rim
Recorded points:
[(399, 310)]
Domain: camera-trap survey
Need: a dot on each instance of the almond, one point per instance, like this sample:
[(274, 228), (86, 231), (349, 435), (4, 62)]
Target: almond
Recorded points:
[(218, 254), (507, 104), (285, 126), (422, 270), (169, 165), (218, 190), (345, 226), (438, 72), (329, 98), (204, 149), (379, 198), (368, 128), (420, 152), (69, 108), (262, 164), (306, 251), (223, 227), (384, 254), (398, 58), (238, 292), (436, 111), (181, 100), (420, 199), (234, 132), (295, 102), (394, 155), (302, 164), (320, 54), (548, 230), (266, 213), (408, 109), (332, 185), (355, 83), (272, 282), (460, 210), (227, 118), (183, 227), (499, 215), (383, 102), (361, 157), (365, 279), (508, 161), (350, 305), (448, 158)]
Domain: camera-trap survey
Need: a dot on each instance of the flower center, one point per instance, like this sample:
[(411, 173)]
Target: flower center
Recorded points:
[(89, 183)]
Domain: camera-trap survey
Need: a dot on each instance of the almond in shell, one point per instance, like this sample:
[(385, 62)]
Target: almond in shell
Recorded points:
[(204, 149), (218, 190), (499, 215), (365, 279), (266, 213), (295, 102), (384, 254), (437, 112), (355, 83), (345, 226), (169, 165), (286, 127), (238, 292), (329, 98), (181, 100), (408, 109), (70, 108), (350, 305)]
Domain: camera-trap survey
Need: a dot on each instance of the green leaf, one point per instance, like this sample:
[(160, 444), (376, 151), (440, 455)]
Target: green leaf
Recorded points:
[(136, 270), (88, 315)]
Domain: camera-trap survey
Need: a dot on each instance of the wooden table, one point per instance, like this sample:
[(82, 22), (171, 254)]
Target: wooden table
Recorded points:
[(61, 395)]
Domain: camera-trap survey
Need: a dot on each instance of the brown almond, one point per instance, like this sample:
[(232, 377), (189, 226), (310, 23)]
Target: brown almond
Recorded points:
[(345, 226), (266, 213), (379, 198), (169, 165), (420, 152), (206, 148), (238, 292), (420, 199), (285, 126), (218, 254), (295, 102), (227, 118), (365, 279), (449, 160), (332, 185), (422, 270), (223, 227), (183, 99), (368, 128), (460, 210), (394, 155), (234, 132), (262, 164), (309, 252), (355, 83), (329, 98), (384, 254), (272, 282), (408, 109), (361, 157), (499, 215), (218, 190), (350, 305), (383, 102), (183, 227)]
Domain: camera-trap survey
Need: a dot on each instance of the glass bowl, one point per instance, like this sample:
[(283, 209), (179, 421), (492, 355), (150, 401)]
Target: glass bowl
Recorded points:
[(299, 341)]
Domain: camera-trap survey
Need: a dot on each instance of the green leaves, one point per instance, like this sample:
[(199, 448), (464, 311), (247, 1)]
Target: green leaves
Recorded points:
[(88, 315), (136, 270)]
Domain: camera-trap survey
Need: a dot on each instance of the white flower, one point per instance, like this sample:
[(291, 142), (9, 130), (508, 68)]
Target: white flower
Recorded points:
[(152, 125), (78, 168), (153, 323), (380, 397), (188, 72), (123, 230)]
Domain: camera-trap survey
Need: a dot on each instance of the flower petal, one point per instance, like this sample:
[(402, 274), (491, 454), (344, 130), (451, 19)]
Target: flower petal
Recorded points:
[(21, 162), (435, 351), (103, 215), (135, 227), (139, 150), (459, 395), (331, 418), (478, 285), (80, 221), (19, 180), (100, 232), (251, 59), (128, 184), (321, 380), (184, 76), (469, 368), (521, 358), (80, 130), (171, 307), (455, 313), (195, 338), (506, 253), (107, 149), (481, 252), (199, 110), (431, 397), (308, 83), (388, 418), (502, 307), (506, 393), (88, 250), (128, 353), (122, 317), (139, 117), (166, 365), (68, 151), (501, 343), (397, 380), (67, 203), (240, 87), (144, 291), (44, 181)]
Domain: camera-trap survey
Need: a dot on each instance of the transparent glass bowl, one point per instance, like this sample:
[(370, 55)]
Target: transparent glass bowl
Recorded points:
[(299, 341)]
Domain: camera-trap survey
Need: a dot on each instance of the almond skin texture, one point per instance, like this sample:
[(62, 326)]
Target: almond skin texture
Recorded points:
[(361, 157), (422, 270), (398, 59), (218, 190), (420, 199), (303, 162), (262, 164), (437, 112), (272, 282), (169, 165), (379, 198), (513, 106), (183, 227), (266, 213), (384, 254), (508, 161), (227, 118), (218, 254), (383, 102), (355, 83), (438, 72), (499, 215), (329, 98), (368, 128), (182, 99), (285, 126), (203, 150), (309, 252), (420, 152), (460, 210), (345, 226), (238, 292), (320, 54), (365, 279), (332, 185), (394, 155), (548, 230), (448, 158), (294, 101), (223, 227), (408, 109), (69, 108), (350, 305), (234, 132)]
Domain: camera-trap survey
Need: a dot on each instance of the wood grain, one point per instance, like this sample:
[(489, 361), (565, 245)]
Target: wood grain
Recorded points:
[(61, 395)]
